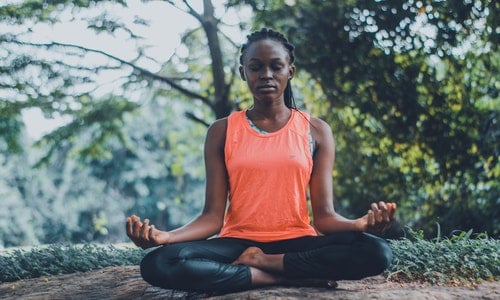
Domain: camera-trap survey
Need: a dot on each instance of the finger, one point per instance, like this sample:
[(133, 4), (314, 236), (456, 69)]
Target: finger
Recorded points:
[(371, 218), (137, 226), (373, 209), (134, 218), (132, 230), (392, 214), (151, 233), (144, 233), (135, 229), (385, 211), (378, 213), (129, 227)]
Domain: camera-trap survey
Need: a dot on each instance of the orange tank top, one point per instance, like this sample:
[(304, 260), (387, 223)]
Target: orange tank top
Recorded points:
[(268, 179)]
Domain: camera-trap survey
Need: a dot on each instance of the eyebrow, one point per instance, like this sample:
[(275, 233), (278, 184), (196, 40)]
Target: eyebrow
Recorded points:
[(272, 59)]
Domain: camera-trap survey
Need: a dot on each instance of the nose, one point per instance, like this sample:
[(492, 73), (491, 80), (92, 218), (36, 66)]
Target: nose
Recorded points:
[(266, 73)]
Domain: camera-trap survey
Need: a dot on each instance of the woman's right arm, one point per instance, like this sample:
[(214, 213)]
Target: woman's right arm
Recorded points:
[(210, 221)]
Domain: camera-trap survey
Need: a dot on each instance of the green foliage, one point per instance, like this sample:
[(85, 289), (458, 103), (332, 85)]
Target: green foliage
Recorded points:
[(15, 227), (57, 203), (60, 259), (456, 260), (116, 155), (102, 120), (414, 112), (410, 89), (157, 167), (154, 171), (59, 79)]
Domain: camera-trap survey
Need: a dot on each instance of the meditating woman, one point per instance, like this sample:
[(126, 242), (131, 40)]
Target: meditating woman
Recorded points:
[(264, 163)]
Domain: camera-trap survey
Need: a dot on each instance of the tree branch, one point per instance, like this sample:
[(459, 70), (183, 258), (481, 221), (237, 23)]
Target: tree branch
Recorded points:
[(170, 81), (191, 116), (193, 12)]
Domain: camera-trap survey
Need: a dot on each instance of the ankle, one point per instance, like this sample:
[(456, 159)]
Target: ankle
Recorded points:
[(262, 278)]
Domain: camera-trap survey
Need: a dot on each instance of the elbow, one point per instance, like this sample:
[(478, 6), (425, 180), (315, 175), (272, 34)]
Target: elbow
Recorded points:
[(218, 227), (321, 227), (212, 221), (215, 225)]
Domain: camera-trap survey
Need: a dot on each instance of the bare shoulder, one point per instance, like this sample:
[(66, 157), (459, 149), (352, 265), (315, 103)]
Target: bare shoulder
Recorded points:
[(218, 126), (216, 134), (317, 122), (321, 131)]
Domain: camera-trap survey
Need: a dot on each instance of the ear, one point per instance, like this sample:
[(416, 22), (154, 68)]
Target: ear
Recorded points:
[(242, 73), (291, 72)]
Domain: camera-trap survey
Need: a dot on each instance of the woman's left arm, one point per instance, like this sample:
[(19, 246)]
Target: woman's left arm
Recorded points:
[(325, 219)]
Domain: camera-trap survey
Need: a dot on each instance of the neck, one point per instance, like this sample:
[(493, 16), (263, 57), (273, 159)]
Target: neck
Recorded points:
[(271, 111)]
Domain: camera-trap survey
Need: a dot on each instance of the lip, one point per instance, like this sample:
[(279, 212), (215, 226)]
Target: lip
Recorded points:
[(266, 87)]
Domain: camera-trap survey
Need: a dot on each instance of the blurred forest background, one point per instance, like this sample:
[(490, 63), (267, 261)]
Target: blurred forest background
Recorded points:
[(409, 87)]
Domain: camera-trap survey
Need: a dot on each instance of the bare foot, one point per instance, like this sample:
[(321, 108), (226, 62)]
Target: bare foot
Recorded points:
[(249, 257), (267, 269)]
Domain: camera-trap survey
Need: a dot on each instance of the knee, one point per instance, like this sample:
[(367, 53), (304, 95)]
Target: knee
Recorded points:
[(158, 266), (168, 267), (150, 268), (380, 255)]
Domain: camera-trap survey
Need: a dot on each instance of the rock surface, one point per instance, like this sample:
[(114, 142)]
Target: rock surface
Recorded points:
[(126, 283)]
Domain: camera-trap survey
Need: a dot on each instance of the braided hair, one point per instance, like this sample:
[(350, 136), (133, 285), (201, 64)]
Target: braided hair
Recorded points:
[(264, 34)]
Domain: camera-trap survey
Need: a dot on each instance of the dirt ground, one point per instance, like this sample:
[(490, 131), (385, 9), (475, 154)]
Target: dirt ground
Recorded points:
[(126, 283)]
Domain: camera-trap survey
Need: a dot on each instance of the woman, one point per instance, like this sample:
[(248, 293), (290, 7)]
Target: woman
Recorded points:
[(265, 160)]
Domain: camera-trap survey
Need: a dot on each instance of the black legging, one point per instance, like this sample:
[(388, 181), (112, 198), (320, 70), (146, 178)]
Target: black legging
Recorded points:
[(206, 265)]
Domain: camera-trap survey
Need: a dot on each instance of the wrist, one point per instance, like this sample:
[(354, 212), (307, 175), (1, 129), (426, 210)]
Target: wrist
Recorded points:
[(359, 224), (168, 238)]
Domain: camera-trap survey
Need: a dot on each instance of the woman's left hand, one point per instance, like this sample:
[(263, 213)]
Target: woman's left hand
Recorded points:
[(379, 217)]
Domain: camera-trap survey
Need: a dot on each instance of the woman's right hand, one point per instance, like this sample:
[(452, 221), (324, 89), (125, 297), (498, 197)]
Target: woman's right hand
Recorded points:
[(145, 235)]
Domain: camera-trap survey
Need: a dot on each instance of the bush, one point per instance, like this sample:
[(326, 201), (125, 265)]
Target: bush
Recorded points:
[(60, 259), (455, 260)]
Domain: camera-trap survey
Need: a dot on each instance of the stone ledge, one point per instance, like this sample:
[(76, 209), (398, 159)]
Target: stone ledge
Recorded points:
[(126, 283)]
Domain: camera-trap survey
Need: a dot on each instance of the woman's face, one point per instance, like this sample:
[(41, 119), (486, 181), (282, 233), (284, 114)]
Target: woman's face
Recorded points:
[(266, 69)]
